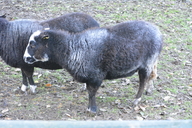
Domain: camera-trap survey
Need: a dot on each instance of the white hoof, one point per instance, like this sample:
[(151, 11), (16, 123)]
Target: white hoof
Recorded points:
[(136, 101), (32, 88), (23, 88)]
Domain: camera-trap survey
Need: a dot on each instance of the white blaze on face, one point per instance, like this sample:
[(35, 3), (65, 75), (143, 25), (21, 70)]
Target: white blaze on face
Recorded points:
[(37, 33), (32, 38)]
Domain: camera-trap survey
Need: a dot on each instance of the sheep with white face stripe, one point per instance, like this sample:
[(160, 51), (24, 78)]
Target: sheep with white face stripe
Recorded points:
[(102, 53), (14, 37)]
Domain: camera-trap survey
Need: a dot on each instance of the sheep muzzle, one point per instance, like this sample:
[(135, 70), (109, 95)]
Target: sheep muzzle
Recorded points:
[(29, 60)]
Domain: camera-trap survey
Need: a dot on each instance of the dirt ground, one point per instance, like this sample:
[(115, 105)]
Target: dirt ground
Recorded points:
[(65, 98)]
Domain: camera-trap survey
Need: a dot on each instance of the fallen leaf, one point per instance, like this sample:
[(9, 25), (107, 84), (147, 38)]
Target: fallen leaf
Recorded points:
[(60, 105), (160, 105), (36, 81), (68, 115), (173, 114), (5, 110), (136, 108), (142, 108), (117, 102), (143, 116), (48, 106), (7, 118), (166, 98), (48, 85), (188, 63), (139, 118), (170, 118), (19, 104), (102, 109)]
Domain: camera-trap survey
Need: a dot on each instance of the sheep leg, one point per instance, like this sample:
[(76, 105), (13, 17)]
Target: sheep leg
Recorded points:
[(149, 87), (32, 84), (153, 76), (143, 77), (29, 74), (25, 83), (92, 107)]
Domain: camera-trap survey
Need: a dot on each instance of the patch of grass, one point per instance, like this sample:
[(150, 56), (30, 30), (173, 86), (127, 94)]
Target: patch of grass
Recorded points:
[(175, 107), (174, 21), (55, 9), (114, 110), (16, 76), (39, 8), (100, 7), (148, 97), (172, 90), (108, 99), (188, 117), (68, 97), (99, 15)]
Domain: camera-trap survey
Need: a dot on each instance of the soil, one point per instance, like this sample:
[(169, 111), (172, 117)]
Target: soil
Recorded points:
[(59, 97)]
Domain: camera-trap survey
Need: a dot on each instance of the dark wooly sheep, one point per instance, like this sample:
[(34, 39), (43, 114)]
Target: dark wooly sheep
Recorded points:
[(101, 53), (14, 37)]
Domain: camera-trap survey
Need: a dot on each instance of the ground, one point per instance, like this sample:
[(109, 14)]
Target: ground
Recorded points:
[(65, 98)]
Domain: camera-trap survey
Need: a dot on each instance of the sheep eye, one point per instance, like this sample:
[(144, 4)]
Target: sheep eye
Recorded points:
[(46, 37)]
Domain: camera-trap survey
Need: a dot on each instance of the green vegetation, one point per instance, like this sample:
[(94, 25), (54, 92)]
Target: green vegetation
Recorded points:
[(174, 67)]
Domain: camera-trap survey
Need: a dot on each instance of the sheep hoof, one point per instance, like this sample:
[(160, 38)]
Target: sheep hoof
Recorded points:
[(92, 109), (136, 101), (23, 88), (32, 88)]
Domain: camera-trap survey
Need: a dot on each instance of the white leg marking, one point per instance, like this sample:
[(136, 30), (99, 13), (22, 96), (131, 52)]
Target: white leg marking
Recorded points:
[(136, 101), (32, 88), (37, 33), (23, 88)]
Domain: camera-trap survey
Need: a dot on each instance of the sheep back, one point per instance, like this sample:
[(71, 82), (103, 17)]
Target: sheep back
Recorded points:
[(72, 22)]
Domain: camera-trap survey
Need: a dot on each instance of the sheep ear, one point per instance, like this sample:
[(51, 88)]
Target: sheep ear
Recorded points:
[(45, 37)]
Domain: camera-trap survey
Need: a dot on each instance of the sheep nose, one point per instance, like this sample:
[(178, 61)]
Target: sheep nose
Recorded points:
[(29, 60)]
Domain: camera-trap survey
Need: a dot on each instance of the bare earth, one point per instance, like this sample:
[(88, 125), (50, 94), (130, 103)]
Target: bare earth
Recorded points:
[(65, 98)]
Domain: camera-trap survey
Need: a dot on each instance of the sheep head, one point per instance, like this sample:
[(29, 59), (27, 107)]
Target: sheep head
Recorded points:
[(37, 48)]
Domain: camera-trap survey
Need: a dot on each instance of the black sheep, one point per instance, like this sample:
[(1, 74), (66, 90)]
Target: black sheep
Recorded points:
[(102, 53), (14, 37)]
